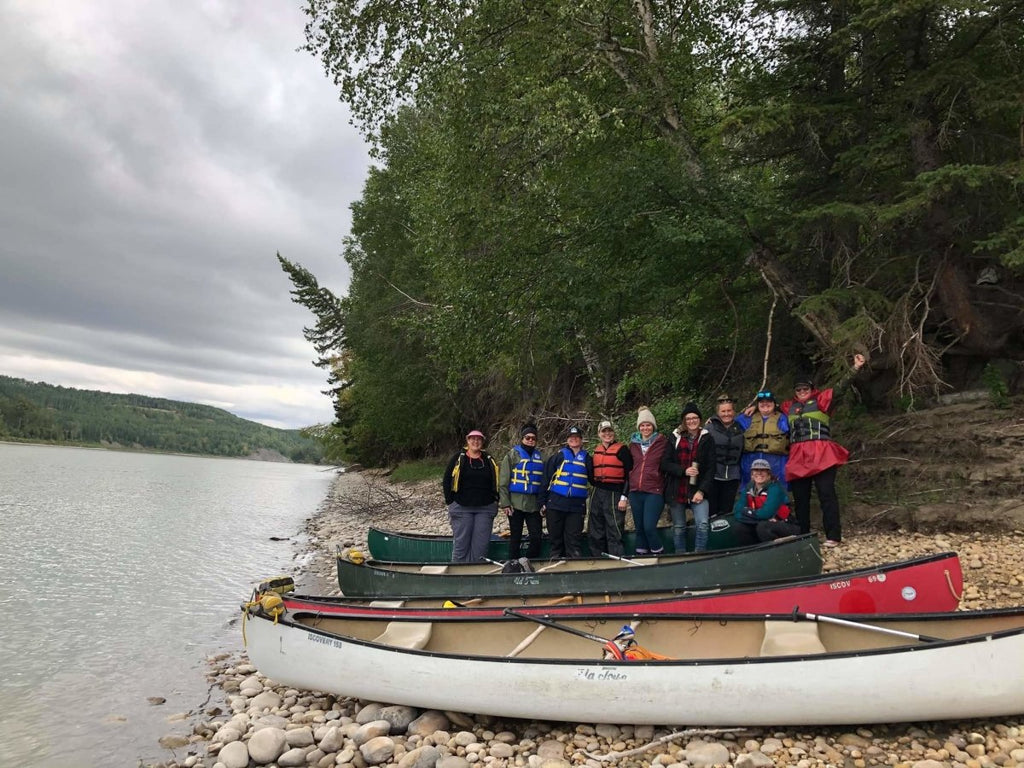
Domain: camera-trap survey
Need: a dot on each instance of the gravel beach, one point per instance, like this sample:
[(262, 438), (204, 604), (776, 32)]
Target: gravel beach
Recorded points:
[(261, 723)]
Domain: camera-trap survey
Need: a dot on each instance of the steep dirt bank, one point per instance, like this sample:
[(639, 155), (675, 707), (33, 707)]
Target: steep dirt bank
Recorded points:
[(951, 468)]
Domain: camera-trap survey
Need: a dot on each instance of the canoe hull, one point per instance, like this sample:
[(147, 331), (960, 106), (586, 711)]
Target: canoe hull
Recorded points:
[(965, 679), (925, 585), (793, 557), (402, 547)]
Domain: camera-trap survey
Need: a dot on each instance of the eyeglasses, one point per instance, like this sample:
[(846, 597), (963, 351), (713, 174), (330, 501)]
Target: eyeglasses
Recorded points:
[(765, 395), (529, 437), (802, 388)]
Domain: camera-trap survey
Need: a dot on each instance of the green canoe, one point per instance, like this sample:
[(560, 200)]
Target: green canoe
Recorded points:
[(786, 558), (402, 547)]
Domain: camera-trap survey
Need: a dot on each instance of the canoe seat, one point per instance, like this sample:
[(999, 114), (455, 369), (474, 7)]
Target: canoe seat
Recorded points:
[(791, 638), (405, 634), (387, 603), (435, 570)]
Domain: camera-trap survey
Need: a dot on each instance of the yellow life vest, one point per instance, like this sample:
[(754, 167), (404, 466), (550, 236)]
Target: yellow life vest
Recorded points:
[(764, 436)]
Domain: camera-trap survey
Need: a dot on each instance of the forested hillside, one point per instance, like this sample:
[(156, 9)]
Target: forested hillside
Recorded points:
[(45, 413), (579, 207)]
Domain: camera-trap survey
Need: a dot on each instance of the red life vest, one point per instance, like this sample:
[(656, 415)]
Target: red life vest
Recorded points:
[(607, 466), (757, 500)]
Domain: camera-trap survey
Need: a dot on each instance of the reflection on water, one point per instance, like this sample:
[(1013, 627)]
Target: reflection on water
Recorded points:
[(120, 574)]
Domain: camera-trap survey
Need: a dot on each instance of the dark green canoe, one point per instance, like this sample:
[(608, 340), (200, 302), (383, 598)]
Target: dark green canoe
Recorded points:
[(402, 547), (782, 559)]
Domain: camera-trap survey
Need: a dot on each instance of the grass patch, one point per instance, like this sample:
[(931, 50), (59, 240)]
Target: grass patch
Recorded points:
[(418, 471)]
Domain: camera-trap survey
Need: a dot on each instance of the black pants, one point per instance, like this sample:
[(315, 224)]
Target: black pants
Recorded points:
[(605, 523), (749, 534), (825, 482), (745, 533), (535, 527), (565, 529), (722, 496)]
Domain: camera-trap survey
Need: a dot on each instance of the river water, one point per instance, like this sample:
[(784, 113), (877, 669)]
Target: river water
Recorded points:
[(120, 574)]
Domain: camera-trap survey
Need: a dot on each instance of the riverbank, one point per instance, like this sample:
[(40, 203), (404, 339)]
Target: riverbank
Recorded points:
[(264, 723)]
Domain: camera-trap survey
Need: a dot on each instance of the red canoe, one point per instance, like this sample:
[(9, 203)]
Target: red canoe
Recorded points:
[(922, 585)]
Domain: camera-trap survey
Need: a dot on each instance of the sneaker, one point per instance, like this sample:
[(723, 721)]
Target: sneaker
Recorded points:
[(831, 543)]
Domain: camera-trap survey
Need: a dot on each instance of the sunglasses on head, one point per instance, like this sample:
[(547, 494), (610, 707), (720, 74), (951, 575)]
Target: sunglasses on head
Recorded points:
[(725, 400), (765, 395)]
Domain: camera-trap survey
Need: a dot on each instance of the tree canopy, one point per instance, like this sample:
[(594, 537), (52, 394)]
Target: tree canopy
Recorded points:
[(580, 207)]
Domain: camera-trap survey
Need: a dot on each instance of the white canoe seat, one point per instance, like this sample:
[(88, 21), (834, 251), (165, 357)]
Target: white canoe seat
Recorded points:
[(791, 638), (387, 603), (434, 569), (405, 634)]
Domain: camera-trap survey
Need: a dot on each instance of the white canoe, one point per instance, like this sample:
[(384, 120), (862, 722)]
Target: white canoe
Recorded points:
[(722, 670)]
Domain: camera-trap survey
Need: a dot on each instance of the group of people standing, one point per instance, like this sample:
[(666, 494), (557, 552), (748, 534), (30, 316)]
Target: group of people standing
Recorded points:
[(744, 463)]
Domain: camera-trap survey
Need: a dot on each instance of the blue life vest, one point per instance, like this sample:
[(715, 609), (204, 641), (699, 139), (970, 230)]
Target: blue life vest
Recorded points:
[(571, 478), (528, 473)]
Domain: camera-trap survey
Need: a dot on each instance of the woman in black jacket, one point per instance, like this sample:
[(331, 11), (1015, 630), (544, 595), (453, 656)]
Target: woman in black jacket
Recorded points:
[(688, 466), (470, 485)]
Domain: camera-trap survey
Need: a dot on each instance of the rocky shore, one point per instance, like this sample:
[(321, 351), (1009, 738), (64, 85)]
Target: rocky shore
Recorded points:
[(261, 723)]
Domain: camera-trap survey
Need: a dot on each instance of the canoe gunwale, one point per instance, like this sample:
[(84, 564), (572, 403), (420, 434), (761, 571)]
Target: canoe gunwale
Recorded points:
[(909, 647), (638, 595)]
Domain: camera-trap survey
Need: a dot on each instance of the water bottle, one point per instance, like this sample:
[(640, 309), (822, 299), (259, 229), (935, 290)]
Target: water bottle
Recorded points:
[(693, 478)]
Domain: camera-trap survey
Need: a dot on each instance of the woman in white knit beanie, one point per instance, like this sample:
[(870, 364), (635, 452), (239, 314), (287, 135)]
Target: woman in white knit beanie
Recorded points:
[(647, 481)]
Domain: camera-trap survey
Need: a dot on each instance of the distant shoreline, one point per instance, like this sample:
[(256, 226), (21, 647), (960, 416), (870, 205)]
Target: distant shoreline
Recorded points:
[(127, 449)]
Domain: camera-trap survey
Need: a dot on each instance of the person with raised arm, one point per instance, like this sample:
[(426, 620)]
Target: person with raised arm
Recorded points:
[(814, 457)]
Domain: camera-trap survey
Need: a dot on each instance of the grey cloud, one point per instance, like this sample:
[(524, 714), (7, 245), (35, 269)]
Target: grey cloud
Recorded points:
[(154, 159)]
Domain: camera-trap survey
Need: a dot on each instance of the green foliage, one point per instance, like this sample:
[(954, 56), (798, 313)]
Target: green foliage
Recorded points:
[(581, 206), (417, 471), (998, 389), (40, 412)]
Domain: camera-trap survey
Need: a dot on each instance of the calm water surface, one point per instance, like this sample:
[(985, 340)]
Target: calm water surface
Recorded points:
[(120, 574)]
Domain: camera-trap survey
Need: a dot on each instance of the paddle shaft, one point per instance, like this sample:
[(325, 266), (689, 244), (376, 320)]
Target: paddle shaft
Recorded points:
[(556, 625), (869, 627), (624, 559)]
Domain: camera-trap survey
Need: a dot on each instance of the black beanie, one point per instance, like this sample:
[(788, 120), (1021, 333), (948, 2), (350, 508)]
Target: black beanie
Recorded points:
[(689, 408), (528, 429)]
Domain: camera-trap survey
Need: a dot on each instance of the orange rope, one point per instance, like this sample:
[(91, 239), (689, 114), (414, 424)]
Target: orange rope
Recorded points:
[(949, 583)]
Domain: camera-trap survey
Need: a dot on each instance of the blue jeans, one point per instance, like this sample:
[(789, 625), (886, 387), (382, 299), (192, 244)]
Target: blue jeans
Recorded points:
[(646, 508), (701, 522), (471, 531)]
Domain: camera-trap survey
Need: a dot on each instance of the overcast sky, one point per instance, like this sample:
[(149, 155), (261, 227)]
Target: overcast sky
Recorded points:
[(154, 156)]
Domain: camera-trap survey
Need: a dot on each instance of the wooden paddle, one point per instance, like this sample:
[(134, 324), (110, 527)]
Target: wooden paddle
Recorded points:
[(863, 625), (610, 646), (556, 625)]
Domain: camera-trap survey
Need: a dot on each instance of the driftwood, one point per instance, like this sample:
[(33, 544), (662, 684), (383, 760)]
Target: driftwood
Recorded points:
[(663, 740), (970, 396)]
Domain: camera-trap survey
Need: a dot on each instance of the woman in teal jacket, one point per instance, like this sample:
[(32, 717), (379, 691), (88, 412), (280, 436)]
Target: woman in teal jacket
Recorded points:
[(761, 508)]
